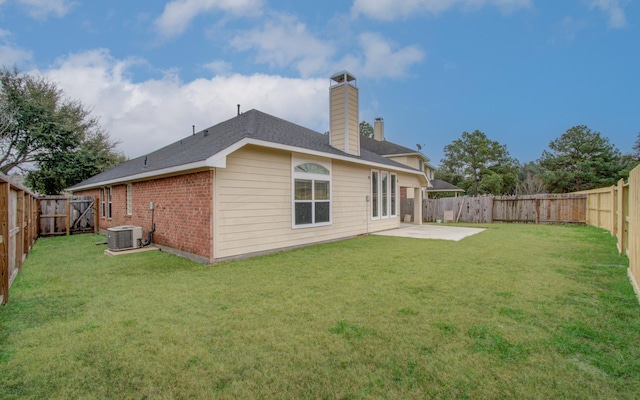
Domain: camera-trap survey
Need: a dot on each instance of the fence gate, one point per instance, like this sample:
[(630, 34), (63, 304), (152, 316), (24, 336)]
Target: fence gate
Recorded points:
[(61, 215)]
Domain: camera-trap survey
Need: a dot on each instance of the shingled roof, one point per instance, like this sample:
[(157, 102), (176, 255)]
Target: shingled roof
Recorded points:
[(195, 149), (438, 185), (384, 148)]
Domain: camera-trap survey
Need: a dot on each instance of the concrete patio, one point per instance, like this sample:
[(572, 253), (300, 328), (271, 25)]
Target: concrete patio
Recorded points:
[(441, 232)]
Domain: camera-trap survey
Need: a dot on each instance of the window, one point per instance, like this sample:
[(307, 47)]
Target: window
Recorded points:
[(109, 202), (375, 212), (384, 194), (105, 202), (394, 191), (384, 186), (129, 199), (311, 195)]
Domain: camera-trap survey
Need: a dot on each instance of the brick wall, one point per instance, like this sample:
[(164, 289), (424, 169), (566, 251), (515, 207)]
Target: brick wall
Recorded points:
[(183, 211)]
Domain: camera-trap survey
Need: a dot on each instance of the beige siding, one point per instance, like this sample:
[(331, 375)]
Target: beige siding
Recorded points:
[(353, 128), (344, 128), (254, 203), (406, 180), (410, 161), (337, 126)]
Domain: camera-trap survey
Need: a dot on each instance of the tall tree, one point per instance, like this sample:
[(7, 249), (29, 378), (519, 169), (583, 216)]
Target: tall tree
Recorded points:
[(581, 159), (530, 179), (49, 136), (366, 129), (479, 165), (635, 151)]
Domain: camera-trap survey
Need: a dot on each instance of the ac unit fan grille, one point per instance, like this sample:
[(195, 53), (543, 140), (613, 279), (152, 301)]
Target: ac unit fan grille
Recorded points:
[(118, 240)]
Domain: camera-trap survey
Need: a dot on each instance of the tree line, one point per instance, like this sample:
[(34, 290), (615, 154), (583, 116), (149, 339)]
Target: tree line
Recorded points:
[(579, 159), (49, 139)]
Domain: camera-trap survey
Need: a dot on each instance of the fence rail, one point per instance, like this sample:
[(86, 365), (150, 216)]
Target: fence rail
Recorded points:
[(61, 215), (544, 208), (18, 230), (617, 209)]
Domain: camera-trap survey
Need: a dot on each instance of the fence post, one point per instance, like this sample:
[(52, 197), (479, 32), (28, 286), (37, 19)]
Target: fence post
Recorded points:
[(4, 242), (68, 217), (97, 208), (20, 234), (619, 217)]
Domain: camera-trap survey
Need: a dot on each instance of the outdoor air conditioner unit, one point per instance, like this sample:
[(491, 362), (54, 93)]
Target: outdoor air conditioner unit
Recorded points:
[(124, 237)]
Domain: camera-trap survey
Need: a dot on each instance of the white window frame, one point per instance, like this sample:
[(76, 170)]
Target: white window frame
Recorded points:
[(109, 202), (384, 195), (103, 202), (392, 196), (129, 199), (375, 195), (296, 175), (106, 202)]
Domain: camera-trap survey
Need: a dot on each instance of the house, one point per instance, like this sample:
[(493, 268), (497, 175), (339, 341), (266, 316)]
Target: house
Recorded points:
[(440, 186), (256, 183)]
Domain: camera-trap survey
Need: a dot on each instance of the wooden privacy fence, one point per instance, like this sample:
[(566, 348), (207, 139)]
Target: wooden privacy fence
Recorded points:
[(61, 215), (18, 230), (542, 208), (24, 216), (617, 209)]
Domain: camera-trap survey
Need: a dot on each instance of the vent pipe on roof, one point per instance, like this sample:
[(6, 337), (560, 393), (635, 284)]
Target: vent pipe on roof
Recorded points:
[(378, 129), (193, 128), (238, 109), (145, 161), (206, 132)]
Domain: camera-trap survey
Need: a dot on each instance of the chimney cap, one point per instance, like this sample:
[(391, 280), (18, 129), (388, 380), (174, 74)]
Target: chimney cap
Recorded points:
[(343, 76)]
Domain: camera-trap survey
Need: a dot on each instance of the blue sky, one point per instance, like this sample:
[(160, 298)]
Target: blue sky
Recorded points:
[(521, 71)]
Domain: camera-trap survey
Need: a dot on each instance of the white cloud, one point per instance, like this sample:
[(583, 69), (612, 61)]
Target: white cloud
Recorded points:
[(147, 115), (41, 9), (10, 54), (286, 42), (178, 14), (219, 67), (382, 60), (388, 10), (614, 10)]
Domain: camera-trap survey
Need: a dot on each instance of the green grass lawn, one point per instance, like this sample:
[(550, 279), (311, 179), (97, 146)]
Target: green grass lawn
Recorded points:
[(518, 311)]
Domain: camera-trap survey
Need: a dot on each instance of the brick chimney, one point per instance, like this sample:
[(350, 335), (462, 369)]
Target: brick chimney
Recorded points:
[(378, 129), (344, 132)]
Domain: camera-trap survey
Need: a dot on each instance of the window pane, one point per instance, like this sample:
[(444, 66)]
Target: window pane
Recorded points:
[(102, 203), (393, 194), (385, 193), (303, 213), (312, 168), (321, 190), (303, 190), (322, 211), (374, 194), (129, 199)]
